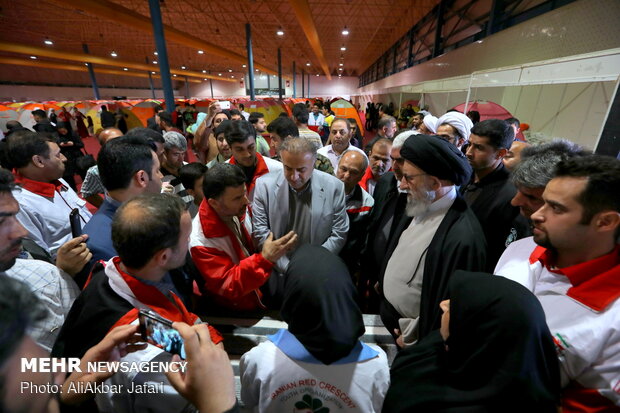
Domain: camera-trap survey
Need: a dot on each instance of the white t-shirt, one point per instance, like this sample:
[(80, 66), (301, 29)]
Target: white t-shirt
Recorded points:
[(272, 381)]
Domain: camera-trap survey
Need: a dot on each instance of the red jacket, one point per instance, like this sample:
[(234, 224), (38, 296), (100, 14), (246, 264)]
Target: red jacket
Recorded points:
[(231, 277)]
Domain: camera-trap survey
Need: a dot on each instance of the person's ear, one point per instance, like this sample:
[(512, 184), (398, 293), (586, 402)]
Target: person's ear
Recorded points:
[(434, 183), (161, 257), (213, 203), (37, 160), (501, 153), (607, 221), (141, 178)]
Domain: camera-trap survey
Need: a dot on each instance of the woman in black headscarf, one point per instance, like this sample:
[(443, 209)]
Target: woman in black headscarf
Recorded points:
[(493, 353), (319, 362)]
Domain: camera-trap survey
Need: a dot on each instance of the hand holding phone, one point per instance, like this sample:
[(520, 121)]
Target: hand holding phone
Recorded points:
[(76, 225), (158, 331), (224, 104)]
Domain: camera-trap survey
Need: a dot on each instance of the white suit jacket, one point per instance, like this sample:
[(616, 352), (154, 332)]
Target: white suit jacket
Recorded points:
[(330, 222)]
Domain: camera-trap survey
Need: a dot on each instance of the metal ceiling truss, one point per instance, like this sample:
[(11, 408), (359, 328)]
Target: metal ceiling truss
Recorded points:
[(497, 15)]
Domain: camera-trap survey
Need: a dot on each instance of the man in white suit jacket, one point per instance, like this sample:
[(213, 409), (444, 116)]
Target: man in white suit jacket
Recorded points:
[(301, 199)]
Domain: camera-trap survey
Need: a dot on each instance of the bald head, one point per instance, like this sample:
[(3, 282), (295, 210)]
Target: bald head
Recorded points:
[(351, 169), (107, 134)]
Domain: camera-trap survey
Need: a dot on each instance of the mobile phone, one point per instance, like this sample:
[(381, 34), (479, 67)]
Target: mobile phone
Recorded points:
[(224, 104), (158, 331), (76, 225)]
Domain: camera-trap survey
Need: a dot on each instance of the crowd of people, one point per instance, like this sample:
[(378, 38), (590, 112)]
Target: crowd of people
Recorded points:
[(493, 263)]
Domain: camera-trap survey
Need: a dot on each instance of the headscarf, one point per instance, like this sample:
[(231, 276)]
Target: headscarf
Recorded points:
[(437, 157), (500, 355), (430, 122), (458, 121), (319, 304)]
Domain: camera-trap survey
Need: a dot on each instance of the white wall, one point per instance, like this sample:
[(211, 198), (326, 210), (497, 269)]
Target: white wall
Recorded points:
[(18, 93), (319, 87), (580, 27)]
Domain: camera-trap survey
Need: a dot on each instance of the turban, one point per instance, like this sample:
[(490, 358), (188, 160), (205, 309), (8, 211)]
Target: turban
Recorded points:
[(459, 122), (437, 157), (430, 122)]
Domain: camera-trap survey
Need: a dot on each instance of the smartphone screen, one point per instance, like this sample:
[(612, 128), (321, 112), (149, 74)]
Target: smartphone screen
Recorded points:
[(76, 225), (158, 331), (224, 104)]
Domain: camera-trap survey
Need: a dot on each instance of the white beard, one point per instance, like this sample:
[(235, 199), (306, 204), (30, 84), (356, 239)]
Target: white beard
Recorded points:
[(419, 202)]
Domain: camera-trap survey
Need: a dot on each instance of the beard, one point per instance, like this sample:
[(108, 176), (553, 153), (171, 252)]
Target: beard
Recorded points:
[(419, 201)]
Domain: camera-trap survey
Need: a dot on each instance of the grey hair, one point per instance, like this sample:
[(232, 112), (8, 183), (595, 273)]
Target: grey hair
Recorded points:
[(299, 145), (538, 162), (363, 155), (175, 140), (400, 139)]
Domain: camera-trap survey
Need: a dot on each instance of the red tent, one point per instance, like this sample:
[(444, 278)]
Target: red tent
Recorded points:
[(487, 110)]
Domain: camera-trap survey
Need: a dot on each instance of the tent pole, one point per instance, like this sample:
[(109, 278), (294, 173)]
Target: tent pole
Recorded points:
[(471, 77)]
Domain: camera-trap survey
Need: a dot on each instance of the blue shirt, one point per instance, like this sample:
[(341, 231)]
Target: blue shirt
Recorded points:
[(99, 230)]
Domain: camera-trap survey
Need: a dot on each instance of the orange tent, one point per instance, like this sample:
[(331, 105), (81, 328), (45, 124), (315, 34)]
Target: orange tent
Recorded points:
[(344, 109)]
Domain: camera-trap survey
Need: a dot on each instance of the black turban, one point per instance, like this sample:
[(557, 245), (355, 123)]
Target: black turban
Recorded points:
[(437, 157)]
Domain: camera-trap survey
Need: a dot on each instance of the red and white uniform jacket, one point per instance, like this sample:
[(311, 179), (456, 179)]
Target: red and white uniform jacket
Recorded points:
[(583, 313), (231, 277)]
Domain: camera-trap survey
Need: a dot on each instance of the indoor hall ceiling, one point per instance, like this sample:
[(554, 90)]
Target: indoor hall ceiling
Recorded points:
[(373, 25)]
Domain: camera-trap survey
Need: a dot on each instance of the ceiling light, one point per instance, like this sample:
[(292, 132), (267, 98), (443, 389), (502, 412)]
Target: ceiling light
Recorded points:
[(232, 76), (343, 48), (204, 78), (174, 75), (155, 53), (48, 42), (113, 54), (230, 70), (243, 66), (308, 64), (33, 57), (339, 68), (219, 74), (154, 62), (85, 64), (280, 32), (317, 75), (125, 69), (204, 71), (341, 64), (183, 68), (201, 52), (153, 72), (345, 31), (339, 75), (257, 70)]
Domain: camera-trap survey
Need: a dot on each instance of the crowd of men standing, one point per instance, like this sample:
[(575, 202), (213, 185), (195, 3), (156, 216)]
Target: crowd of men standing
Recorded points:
[(226, 235)]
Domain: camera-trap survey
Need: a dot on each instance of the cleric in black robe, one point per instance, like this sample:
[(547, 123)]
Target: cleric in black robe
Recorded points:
[(499, 355), (438, 235)]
